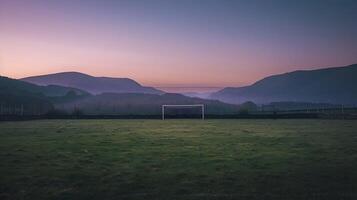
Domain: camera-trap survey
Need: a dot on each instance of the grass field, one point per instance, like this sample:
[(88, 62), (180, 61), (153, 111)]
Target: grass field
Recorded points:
[(178, 159)]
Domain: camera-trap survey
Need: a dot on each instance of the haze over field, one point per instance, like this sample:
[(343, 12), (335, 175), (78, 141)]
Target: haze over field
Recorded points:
[(176, 44)]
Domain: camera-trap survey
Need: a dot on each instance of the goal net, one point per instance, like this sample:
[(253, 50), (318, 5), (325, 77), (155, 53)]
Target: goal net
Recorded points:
[(178, 110)]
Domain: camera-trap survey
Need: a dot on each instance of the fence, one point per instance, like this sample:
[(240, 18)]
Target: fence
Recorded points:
[(22, 112), (22, 109)]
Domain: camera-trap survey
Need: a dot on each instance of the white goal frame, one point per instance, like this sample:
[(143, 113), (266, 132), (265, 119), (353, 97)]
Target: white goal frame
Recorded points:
[(182, 106)]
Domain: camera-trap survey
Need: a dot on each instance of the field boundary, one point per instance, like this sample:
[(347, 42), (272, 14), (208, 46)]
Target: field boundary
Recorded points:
[(237, 116)]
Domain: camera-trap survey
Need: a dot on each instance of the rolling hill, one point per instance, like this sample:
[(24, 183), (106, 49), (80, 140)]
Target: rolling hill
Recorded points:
[(33, 98), (13, 86), (94, 85), (330, 85), (141, 104), (43, 99)]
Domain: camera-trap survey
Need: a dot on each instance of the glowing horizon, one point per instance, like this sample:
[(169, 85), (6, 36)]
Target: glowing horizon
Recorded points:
[(176, 43)]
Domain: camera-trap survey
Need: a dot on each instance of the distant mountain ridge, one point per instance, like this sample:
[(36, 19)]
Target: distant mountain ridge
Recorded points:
[(54, 99), (13, 86), (329, 85), (94, 85)]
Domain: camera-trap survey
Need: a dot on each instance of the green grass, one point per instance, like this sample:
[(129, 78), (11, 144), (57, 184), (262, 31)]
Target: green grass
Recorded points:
[(178, 159)]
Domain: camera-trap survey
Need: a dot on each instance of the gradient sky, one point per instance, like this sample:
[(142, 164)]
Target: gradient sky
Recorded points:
[(183, 43)]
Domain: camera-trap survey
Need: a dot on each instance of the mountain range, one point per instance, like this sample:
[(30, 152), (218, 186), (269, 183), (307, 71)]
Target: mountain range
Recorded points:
[(104, 95), (91, 84), (336, 85), (39, 99)]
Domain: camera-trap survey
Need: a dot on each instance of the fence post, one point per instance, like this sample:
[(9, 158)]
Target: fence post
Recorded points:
[(163, 112), (22, 109)]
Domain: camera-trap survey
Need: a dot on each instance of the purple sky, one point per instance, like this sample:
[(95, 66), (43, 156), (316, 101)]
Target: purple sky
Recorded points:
[(183, 43)]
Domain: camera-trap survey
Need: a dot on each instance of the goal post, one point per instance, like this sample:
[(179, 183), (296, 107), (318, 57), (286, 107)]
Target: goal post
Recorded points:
[(202, 106)]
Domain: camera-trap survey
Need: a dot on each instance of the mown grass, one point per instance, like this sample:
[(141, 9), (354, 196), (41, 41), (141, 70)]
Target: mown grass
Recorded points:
[(178, 159)]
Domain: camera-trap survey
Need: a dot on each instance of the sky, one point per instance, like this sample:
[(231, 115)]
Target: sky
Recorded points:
[(176, 44)]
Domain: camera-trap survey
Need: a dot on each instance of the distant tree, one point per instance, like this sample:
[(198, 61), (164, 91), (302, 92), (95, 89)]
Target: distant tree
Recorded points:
[(56, 112), (247, 107), (77, 112), (71, 93)]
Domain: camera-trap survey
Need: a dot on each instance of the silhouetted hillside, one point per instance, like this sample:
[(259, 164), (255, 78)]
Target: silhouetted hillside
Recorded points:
[(94, 85), (33, 99), (13, 86), (17, 97), (330, 85), (141, 104)]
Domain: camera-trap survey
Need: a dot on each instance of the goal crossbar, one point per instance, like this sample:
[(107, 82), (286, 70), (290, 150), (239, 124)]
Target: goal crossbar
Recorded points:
[(202, 106)]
